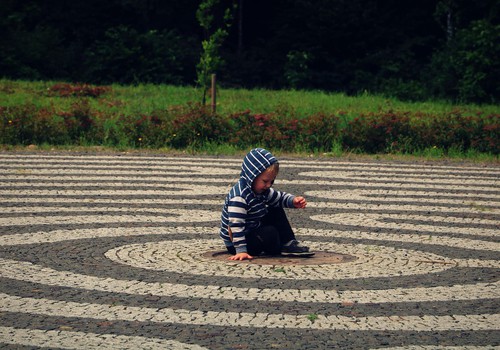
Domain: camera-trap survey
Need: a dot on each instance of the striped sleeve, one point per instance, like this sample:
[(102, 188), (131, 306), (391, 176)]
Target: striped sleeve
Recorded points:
[(279, 199), (237, 215)]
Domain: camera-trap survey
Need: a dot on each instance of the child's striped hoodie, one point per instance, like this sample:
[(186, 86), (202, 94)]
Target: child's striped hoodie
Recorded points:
[(243, 209)]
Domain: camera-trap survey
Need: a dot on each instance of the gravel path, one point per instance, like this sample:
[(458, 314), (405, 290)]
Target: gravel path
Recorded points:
[(113, 252)]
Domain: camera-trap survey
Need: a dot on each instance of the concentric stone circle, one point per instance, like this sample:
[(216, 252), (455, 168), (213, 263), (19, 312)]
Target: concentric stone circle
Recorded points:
[(121, 251), (183, 256), (319, 258)]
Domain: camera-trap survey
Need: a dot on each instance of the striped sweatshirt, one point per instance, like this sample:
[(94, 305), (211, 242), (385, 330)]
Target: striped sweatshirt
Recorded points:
[(243, 209)]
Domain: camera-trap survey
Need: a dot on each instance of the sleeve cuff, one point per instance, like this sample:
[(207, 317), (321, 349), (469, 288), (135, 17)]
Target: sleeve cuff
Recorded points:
[(241, 249)]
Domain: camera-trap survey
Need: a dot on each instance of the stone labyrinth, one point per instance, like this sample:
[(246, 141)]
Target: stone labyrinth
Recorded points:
[(113, 252)]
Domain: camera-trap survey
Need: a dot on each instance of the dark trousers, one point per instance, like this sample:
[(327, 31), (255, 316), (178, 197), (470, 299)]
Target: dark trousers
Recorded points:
[(274, 231)]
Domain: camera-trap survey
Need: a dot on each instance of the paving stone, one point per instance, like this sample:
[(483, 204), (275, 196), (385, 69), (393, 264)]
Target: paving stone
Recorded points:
[(117, 251)]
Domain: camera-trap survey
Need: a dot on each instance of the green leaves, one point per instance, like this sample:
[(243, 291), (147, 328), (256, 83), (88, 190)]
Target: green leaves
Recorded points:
[(210, 59)]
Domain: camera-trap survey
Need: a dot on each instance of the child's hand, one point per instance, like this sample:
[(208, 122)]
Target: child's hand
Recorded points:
[(241, 256), (299, 202)]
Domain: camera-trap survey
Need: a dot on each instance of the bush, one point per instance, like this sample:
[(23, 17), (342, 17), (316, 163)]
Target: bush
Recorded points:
[(27, 124), (456, 131), (266, 130), (77, 90), (376, 133), (402, 133), (195, 126), (149, 131), (318, 132)]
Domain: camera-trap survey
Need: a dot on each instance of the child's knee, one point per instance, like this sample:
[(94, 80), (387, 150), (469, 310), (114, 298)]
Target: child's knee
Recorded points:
[(270, 238)]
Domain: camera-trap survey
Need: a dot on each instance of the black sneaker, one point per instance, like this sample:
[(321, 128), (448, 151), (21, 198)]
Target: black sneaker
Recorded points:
[(295, 249)]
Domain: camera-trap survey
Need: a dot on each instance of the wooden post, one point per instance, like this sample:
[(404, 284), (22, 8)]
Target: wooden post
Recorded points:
[(213, 93)]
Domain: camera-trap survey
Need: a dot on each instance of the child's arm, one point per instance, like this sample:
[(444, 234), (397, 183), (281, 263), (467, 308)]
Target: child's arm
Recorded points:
[(237, 216), (286, 200), (238, 256)]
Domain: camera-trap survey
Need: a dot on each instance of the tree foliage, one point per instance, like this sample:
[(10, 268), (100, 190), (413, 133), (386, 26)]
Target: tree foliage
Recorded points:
[(210, 60), (468, 66), (411, 50), (126, 56)]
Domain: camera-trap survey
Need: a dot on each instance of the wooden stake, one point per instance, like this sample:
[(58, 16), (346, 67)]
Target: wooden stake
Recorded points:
[(213, 93)]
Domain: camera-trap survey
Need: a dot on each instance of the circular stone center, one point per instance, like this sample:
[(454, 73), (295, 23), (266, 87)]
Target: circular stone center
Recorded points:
[(319, 258)]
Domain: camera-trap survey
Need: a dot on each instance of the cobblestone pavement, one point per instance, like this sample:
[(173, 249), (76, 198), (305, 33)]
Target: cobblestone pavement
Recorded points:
[(110, 252)]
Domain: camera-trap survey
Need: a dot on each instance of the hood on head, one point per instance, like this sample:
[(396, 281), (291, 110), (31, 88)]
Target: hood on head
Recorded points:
[(255, 162)]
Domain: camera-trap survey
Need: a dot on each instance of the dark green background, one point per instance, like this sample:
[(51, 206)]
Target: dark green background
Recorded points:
[(407, 49)]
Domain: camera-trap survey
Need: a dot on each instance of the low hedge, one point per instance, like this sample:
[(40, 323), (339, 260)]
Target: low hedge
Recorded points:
[(194, 125)]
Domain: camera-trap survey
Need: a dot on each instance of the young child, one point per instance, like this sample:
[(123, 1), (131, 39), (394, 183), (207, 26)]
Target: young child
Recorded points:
[(253, 221)]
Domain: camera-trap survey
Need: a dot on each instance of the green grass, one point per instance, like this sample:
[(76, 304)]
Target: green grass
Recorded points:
[(146, 98)]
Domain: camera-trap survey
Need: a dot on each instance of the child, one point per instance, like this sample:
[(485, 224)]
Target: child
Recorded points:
[(253, 221)]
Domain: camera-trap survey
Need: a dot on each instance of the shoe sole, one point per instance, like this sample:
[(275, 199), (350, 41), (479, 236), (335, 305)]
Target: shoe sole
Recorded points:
[(302, 255)]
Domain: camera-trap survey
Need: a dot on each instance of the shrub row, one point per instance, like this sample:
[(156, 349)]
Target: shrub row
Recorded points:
[(194, 125), (71, 90), (404, 133)]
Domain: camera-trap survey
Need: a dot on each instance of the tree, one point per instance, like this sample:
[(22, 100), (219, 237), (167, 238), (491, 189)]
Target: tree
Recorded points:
[(210, 60), (467, 68), (128, 56)]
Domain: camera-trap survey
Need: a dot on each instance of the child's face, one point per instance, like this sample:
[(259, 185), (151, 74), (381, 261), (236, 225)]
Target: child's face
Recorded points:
[(264, 181)]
